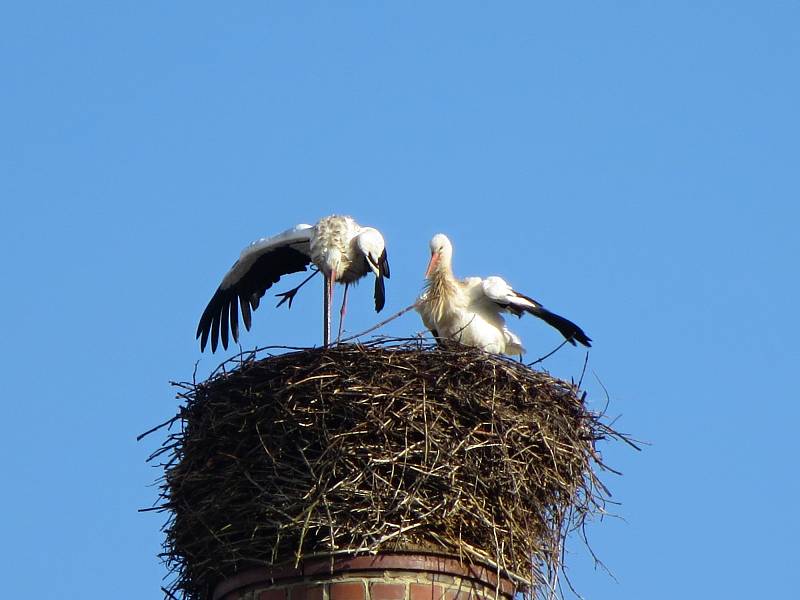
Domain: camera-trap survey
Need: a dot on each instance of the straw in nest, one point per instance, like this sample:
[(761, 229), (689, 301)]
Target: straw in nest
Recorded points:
[(377, 447)]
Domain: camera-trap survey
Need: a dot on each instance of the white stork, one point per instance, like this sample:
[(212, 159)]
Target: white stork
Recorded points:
[(468, 310), (338, 246)]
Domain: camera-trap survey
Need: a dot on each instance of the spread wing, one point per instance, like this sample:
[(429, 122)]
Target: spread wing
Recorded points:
[(503, 295), (260, 265)]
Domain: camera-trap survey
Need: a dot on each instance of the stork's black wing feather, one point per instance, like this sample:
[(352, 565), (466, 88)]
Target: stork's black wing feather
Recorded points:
[(380, 289), (221, 312), (567, 328), (383, 264), (246, 316), (380, 294), (235, 319)]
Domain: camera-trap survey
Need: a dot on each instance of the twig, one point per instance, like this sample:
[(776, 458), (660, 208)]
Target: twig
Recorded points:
[(168, 593), (157, 427), (583, 370), (548, 355), (381, 324)]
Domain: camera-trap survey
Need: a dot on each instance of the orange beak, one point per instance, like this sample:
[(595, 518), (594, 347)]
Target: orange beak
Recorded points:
[(432, 264)]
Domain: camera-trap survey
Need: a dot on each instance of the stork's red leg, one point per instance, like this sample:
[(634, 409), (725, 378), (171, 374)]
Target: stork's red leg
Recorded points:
[(326, 310), (284, 296), (341, 313), (329, 281)]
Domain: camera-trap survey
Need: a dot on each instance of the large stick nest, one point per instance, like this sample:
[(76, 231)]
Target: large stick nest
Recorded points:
[(377, 447)]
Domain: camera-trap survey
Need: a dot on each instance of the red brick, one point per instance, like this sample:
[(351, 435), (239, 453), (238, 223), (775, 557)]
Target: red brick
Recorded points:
[(273, 594), (425, 591), (307, 592), (387, 591), (347, 591), (461, 593)]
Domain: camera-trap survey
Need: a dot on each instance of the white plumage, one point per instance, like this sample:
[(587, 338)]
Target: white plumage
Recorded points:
[(469, 310), (338, 246)]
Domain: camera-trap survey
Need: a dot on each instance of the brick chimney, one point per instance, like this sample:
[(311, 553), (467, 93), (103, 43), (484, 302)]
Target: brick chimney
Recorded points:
[(385, 576)]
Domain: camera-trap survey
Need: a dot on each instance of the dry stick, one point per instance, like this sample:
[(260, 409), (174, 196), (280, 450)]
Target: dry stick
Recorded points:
[(251, 355), (460, 331), (559, 555), (597, 561), (605, 391), (583, 370), (548, 355), (168, 593), (381, 324), (157, 427)]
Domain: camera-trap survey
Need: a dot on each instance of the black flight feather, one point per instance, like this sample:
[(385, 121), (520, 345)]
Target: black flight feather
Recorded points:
[(246, 317), (567, 328), (266, 270)]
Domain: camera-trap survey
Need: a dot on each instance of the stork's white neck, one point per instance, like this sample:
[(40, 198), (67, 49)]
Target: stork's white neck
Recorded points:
[(443, 290)]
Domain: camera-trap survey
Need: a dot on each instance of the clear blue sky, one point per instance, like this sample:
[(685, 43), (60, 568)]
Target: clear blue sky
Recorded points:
[(634, 166)]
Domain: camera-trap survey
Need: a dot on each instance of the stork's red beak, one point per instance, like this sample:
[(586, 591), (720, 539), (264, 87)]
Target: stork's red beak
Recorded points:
[(432, 264), (331, 280)]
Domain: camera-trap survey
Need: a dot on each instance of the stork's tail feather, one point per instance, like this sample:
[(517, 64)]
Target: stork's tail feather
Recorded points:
[(567, 328)]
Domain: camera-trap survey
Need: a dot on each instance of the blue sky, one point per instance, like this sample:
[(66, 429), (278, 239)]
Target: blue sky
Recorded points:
[(634, 166)]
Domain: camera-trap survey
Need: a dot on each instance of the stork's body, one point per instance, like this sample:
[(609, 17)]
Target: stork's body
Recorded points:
[(345, 252), (337, 246), (469, 310)]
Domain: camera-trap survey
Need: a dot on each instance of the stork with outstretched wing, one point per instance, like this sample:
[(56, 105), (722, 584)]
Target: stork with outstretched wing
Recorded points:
[(340, 248), (469, 310)]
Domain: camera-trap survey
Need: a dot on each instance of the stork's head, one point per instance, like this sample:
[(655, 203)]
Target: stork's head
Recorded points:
[(441, 254), (370, 242)]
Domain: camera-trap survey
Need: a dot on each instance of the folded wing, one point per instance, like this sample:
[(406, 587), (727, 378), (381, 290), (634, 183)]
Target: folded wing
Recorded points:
[(371, 244)]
